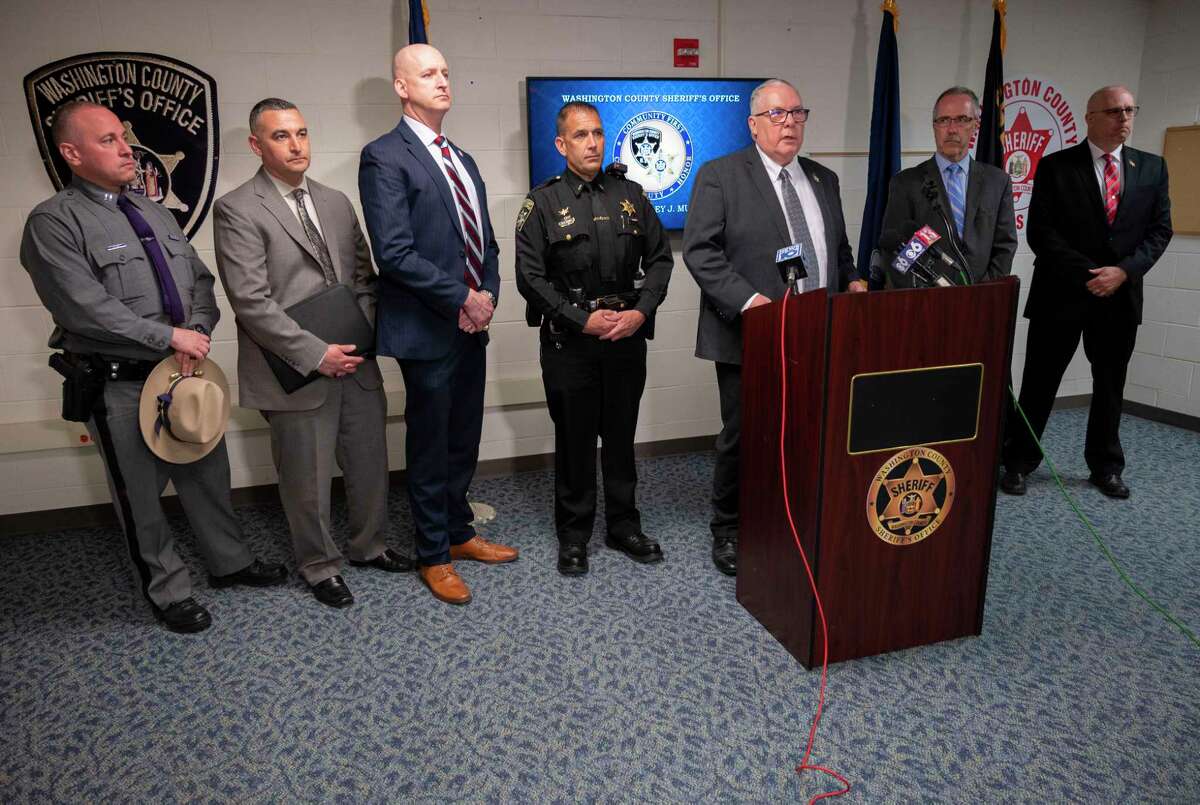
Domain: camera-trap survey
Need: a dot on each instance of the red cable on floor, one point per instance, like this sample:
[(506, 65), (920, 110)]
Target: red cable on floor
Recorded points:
[(812, 733)]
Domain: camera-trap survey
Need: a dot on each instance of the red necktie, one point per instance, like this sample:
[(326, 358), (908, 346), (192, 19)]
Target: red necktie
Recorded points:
[(474, 272), (1112, 188)]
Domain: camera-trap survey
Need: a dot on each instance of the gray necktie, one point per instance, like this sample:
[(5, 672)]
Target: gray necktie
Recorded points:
[(799, 224), (314, 237)]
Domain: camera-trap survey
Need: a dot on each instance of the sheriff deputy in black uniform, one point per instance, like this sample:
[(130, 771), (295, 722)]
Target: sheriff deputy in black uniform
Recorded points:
[(593, 263)]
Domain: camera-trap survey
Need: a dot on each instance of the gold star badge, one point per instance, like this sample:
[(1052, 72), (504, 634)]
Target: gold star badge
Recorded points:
[(627, 207), (912, 504)]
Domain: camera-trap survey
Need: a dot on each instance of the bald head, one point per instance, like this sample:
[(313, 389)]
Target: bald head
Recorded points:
[(1110, 113), (91, 139), (422, 80)]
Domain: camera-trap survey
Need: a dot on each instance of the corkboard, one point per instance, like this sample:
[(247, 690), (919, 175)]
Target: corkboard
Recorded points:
[(1181, 148)]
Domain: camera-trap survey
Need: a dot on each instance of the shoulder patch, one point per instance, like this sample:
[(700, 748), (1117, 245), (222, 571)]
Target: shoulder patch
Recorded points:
[(523, 215)]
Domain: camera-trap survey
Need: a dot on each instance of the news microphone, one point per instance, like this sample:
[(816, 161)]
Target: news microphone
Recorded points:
[(790, 262), (913, 256)]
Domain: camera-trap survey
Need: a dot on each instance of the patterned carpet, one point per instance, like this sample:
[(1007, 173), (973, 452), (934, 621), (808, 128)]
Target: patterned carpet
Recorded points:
[(632, 684)]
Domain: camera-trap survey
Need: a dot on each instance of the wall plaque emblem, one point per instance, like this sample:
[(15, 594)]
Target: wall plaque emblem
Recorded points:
[(168, 108)]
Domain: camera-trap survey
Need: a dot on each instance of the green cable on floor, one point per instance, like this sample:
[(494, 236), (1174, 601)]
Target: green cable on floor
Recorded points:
[(1188, 633)]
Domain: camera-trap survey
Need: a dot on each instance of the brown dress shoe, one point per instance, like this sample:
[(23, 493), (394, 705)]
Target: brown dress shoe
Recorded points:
[(481, 550), (445, 584)]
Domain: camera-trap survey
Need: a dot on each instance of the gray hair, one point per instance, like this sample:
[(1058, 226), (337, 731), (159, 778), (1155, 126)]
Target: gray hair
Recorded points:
[(268, 105), (766, 85), (970, 93)]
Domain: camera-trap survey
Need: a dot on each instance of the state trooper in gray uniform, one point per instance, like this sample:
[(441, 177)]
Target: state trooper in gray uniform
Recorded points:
[(119, 309)]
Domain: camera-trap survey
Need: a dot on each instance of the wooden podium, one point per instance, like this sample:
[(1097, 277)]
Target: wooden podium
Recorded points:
[(894, 404)]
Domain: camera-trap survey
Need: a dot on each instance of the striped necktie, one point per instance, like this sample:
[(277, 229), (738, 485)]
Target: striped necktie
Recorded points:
[(957, 195), (1112, 188), (470, 224)]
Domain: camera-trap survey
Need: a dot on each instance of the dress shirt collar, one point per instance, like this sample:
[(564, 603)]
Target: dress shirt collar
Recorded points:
[(774, 168), (425, 134), (577, 183), (1098, 152), (944, 163), (95, 192), (286, 189)]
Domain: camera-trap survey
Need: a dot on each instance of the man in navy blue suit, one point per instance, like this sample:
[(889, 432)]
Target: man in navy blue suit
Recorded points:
[(425, 207)]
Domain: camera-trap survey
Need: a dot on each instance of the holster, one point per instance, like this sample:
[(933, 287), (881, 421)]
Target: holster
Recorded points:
[(83, 383)]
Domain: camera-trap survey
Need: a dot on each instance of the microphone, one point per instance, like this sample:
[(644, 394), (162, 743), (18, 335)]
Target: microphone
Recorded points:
[(914, 255), (790, 262)]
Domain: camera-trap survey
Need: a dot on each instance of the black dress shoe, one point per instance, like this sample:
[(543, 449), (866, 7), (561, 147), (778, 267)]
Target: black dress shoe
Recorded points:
[(1111, 485), (333, 592), (637, 547), (255, 574), (724, 555), (1012, 482), (185, 616), (389, 560), (572, 559)]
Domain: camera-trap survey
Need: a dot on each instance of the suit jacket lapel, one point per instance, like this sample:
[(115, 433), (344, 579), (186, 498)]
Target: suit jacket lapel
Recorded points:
[(421, 153), (974, 192), (279, 209), (1085, 170), (327, 212), (933, 174), (822, 194), (770, 201)]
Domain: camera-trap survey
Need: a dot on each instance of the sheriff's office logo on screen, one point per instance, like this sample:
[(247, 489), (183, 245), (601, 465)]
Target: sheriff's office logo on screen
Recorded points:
[(910, 496), (658, 150), (1039, 121), (168, 109)]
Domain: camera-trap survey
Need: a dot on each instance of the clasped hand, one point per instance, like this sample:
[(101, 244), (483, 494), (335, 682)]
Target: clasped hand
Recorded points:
[(1105, 280), (476, 313), (613, 325)]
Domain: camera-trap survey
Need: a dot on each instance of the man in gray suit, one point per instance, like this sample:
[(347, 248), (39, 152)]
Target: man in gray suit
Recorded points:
[(280, 239), (969, 203), (744, 208)]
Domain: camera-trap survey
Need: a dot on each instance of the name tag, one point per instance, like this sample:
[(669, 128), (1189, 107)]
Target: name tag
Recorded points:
[(115, 246)]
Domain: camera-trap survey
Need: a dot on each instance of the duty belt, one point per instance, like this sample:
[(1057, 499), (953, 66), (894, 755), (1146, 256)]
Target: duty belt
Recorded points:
[(115, 369), (616, 301)]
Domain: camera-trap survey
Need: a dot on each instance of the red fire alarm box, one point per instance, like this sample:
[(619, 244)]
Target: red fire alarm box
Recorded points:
[(687, 52)]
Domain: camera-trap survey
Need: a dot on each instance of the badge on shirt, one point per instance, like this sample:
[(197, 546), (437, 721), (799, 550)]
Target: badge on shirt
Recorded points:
[(565, 218)]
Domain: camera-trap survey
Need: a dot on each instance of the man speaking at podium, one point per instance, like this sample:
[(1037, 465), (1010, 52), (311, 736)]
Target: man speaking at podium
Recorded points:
[(744, 208), (968, 203)]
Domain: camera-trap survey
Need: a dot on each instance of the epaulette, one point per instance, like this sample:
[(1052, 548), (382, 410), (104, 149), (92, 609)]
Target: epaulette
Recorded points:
[(547, 183)]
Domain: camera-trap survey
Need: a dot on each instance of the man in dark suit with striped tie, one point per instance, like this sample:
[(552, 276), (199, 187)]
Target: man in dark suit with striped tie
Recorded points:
[(1099, 219), (426, 211)]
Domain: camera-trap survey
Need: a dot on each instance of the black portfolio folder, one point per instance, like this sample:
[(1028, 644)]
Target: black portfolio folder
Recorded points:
[(333, 315)]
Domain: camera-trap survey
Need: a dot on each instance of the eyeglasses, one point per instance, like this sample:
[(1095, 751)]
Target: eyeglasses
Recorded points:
[(778, 116), (1118, 112), (962, 121)]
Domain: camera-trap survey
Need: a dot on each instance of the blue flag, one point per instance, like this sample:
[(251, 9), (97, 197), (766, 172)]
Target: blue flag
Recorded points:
[(416, 23), (884, 161)]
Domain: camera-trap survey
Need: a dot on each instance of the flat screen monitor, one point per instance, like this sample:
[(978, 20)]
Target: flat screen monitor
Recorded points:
[(663, 129)]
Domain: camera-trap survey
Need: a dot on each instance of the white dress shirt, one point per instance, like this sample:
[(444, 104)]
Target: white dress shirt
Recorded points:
[(427, 135), (286, 191), (1098, 164), (810, 205)]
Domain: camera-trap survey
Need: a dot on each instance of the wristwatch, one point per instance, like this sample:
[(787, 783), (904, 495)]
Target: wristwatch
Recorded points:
[(491, 296)]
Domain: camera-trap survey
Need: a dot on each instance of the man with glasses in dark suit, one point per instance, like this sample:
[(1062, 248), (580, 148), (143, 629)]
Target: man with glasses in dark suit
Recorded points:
[(744, 208), (1099, 219)]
